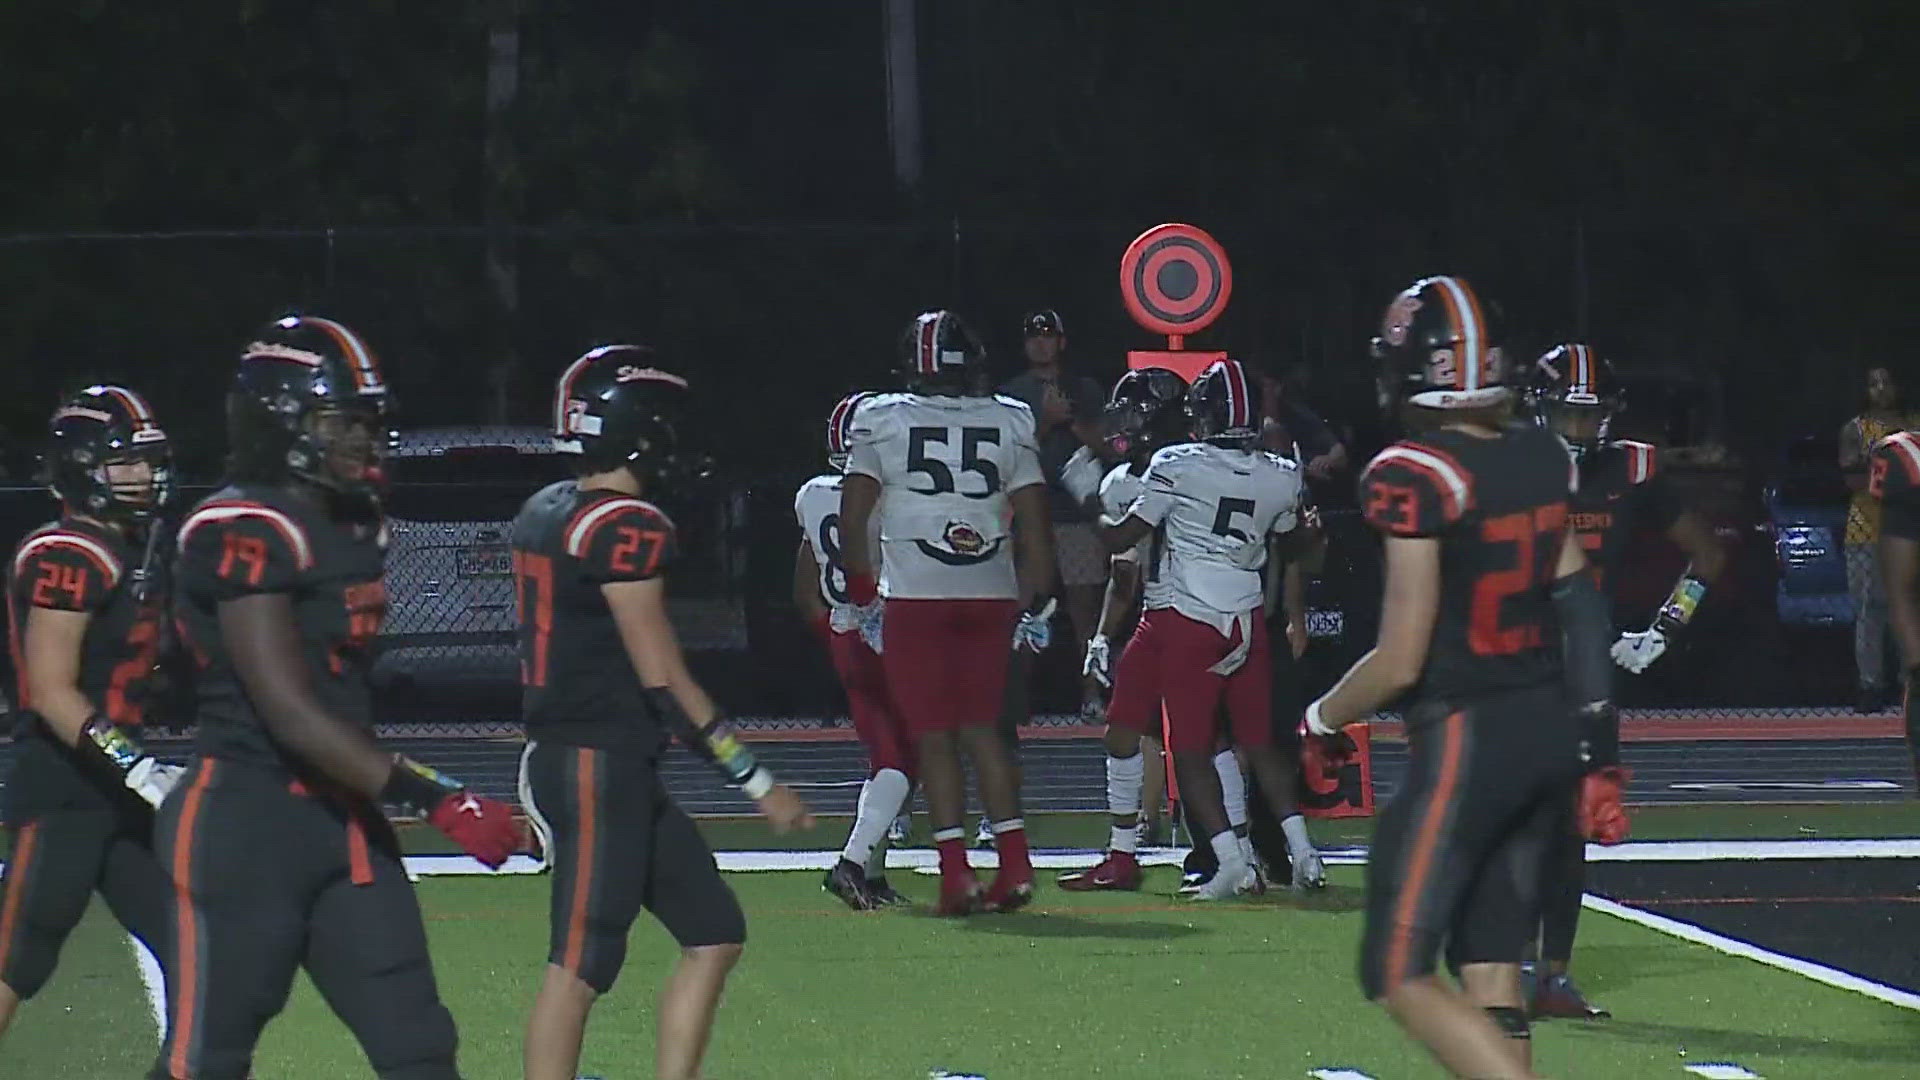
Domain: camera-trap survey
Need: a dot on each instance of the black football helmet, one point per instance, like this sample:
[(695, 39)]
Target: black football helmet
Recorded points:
[(1438, 348), (92, 432), (840, 428), (939, 354), (309, 402), (1573, 393), (1146, 411), (1220, 406), (613, 408)]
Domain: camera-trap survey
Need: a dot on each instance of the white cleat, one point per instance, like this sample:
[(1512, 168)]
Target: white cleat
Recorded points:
[(983, 836), (1231, 881), (898, 832), (1308, 871)]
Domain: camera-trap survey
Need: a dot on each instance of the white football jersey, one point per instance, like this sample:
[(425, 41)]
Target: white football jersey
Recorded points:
[(1212, 508), (945, 466), (817, 507)]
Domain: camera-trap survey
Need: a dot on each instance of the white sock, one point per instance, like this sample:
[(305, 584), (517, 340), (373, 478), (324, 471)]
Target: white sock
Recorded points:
[(1233, 787), (880, 799), (1226, 848), (1124, 777), (1295, 826)]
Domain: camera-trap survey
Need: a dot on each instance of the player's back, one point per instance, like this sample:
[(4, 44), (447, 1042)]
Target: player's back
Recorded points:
[(1498, 507), (946, 465), (1222, 503), (578, 685), (1618, 494), (816, 506), (249, 539)]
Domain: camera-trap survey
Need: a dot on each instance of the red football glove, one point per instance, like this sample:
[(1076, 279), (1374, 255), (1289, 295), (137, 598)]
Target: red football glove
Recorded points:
[(1602, 818), (861, 589), (1321, 759), (484, 828)]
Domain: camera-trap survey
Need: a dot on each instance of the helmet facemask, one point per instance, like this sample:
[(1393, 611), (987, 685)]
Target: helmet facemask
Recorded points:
[(342, 447)]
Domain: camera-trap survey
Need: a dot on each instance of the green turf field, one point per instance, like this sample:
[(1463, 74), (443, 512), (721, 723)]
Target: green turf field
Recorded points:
[(1079, 986)]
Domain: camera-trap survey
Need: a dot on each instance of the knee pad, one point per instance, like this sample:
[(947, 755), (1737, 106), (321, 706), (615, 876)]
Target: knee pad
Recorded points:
[(1512, 1022)]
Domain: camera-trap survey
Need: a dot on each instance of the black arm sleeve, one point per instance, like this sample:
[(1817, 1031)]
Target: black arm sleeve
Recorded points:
[(1586, 628)]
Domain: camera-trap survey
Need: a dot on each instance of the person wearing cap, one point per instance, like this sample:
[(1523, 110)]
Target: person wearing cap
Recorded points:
[(1067, 418)]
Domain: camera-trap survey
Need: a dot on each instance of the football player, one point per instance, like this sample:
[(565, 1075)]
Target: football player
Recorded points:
[(604, 685), (1208, 506), (1147, 410), (280, 855), (1484, 579), (1894, 479), (820, 594), (1622, 490), (86, 604), (944, 463)]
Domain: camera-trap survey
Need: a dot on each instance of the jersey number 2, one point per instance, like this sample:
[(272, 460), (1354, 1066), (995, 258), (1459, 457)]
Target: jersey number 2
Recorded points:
[(1525, 531), (940, 473), (533, 595)]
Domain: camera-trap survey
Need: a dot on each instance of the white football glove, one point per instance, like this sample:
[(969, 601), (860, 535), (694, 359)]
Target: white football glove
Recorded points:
[(152, 779), (1637, 652), (1099, 661), (871, 618), (1035, 629)]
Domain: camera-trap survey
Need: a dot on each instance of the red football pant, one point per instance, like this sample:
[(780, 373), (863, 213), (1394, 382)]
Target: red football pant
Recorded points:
[(1166, 661), (946, 661), (874, 718)]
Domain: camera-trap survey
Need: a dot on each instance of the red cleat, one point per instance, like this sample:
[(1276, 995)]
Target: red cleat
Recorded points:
[(1120, 871), (1011, 890), (959, 896)]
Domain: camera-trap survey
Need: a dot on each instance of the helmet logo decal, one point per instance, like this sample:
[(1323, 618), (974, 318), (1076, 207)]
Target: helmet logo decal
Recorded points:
[(1441, 368), (630, 373), (74, 411), (578, 420), (269, 350)]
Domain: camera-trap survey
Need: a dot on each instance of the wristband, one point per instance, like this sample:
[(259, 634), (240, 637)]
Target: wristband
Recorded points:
[(861, 588), (1315, 724), (419, 786), (1680, 604), (717, 742), (119, 748)]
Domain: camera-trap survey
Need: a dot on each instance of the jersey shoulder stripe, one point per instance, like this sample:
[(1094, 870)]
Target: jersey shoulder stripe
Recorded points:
[(1643, 460), (588, 520), (1903, 447), (1452, 483), (235, 509), (93, 550)]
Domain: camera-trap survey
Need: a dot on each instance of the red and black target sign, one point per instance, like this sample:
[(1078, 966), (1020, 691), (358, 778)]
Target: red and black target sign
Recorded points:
[(1175, 279)]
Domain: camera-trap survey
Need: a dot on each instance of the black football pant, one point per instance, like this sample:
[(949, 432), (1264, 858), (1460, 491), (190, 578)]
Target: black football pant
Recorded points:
[(1563, 883), (1456, 858), (60, 858), (270, 879)]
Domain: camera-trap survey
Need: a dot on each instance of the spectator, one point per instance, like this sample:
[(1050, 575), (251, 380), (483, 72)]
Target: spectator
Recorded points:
[(1289, 428), (1880, 417), (1067, 412)]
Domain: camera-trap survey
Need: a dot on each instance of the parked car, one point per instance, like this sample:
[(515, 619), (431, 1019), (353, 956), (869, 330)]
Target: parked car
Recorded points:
[(450, 623), (1806, 502)]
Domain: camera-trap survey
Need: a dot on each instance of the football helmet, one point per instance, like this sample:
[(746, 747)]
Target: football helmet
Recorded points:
[(1220, 406), (1438, 348), (613, 408), (1146, 411), (308, 401), (1573, 393), (840, 428), (91, 433), (939, 354)]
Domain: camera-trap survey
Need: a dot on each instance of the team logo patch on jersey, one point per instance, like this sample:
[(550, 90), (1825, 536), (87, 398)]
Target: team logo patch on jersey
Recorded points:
[(963, 539)]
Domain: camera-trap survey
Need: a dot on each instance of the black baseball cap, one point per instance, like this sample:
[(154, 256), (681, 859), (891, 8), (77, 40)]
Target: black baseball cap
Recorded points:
[(1044, 321)]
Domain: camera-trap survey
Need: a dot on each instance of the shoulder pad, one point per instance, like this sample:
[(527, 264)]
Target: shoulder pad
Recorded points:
[(1414, 489), (1895, 465), (1643, 459), (620, 538), (69, 570), (242, 544)]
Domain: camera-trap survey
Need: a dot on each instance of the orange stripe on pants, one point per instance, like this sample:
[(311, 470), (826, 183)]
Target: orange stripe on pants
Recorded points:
[(16, 886), (1420, 862), (186, 975), (585, 799)]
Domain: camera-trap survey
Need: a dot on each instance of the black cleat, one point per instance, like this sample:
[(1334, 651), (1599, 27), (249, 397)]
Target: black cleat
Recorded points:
[(878, 888), (849, 882)]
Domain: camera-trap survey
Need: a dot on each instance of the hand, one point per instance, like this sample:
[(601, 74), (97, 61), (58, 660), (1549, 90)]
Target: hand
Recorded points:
[(1637, 652), (484, 828), (1602, 818), (1098, 664), (872, 617), (1322, 757), (1035, 629), (781, 806), (1297, 637), (152, 779)]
